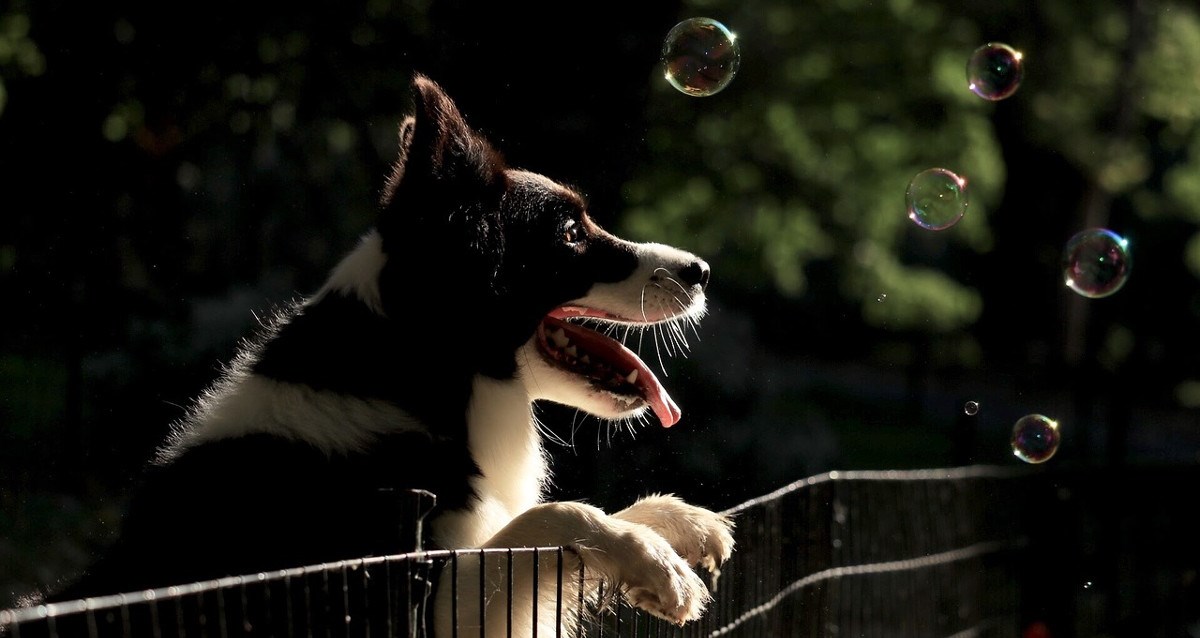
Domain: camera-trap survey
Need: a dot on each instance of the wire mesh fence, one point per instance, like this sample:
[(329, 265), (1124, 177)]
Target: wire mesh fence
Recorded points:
[(922, 554), (907, 554)]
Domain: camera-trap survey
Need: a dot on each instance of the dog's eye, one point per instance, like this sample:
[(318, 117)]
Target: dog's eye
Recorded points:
[(571, 232)]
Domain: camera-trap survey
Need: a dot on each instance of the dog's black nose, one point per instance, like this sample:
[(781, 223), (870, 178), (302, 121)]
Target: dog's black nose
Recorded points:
[(695, 274)]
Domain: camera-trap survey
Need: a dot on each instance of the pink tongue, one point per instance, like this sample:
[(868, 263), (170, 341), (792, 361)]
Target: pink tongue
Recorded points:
[(616, 353), (666, 410), (663, 405)]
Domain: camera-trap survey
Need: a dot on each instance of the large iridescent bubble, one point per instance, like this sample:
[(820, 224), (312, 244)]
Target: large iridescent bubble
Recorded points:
[(994, 71), (700, 56), (1096, 262), (1035, 438), (936, 199)]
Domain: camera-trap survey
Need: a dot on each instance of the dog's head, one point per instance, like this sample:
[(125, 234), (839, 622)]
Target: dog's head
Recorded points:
[(516, 280)]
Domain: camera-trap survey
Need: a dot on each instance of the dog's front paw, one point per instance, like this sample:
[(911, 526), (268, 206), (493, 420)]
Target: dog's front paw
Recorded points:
[(652, 574), (702, 537)]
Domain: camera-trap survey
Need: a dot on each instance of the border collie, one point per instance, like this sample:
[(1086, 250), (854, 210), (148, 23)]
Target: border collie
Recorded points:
[(482, 289)]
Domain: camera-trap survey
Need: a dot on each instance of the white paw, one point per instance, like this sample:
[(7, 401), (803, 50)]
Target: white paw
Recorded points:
[(653, 576), (702, 537)]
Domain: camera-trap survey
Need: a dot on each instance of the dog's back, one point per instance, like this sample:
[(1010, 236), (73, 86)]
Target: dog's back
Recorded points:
[(258, 503)]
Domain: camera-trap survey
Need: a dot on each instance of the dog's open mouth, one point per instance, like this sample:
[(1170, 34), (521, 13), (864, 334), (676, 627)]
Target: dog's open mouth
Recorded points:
[(603, 361)]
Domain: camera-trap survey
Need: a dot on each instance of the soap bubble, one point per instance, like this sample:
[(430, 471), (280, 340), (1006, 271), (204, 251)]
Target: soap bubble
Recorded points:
[(1096, 262), (936, 199), (700, 56), (1035, 438), (971, 408), (994, 71)]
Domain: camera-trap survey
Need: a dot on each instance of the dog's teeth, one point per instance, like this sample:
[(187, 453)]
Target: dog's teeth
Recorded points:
[(559, 338), (631, 377), (572, 351)]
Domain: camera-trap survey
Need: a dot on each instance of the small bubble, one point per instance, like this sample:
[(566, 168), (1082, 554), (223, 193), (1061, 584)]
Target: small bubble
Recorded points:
[(1096, 262), (936, 199), (115, 128), (700, 56), (882, 297), (994, 71), (187, 176), (971, 408), (123, 31), (1035, 438)]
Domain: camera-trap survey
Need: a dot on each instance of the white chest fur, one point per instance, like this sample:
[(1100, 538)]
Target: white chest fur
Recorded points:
[(506, 446)]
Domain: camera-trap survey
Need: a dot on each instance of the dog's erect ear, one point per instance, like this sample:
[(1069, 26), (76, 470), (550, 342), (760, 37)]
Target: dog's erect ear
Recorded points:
[(438, 147)]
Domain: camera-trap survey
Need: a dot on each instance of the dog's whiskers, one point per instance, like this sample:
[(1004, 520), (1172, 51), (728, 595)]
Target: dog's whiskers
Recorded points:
[(261, 323), (680, 346), (575, 426), (669, 333), (639, 347), (683, 303), (691, 320), (668, 344), (641, 420), (630, 424), (625, 338), (680, 338), (547, 432), (654, 331), (658, 352)]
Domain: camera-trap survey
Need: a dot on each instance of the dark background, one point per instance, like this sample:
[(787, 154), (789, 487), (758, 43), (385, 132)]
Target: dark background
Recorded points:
[(169, 170)]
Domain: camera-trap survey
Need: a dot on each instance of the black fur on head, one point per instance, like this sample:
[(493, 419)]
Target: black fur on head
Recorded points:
[(475, 255), (480, 245), (438, 149)]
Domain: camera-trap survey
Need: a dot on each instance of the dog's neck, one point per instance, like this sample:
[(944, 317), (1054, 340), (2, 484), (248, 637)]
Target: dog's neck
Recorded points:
[(505, 444), (502, 436)]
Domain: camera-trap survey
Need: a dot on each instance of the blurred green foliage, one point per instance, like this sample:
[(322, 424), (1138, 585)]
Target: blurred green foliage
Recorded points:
[(805, 157), (19, 54)]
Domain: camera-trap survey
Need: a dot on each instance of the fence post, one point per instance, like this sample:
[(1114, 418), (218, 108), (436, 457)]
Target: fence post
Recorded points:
[(408, 509)]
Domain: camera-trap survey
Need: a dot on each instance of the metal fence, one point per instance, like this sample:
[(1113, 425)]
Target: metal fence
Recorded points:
[(922, 554)]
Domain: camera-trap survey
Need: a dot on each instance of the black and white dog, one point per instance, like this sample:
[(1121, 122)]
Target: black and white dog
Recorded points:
[(416, 366)]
